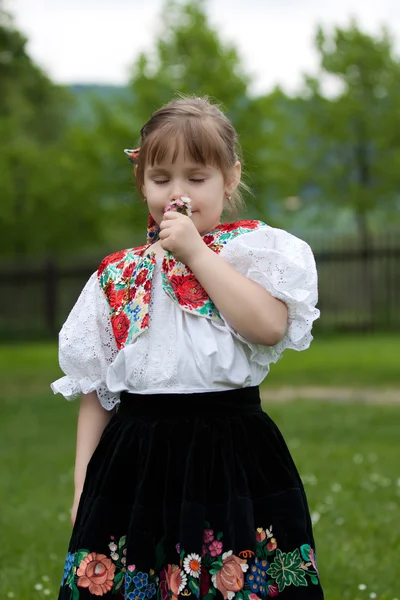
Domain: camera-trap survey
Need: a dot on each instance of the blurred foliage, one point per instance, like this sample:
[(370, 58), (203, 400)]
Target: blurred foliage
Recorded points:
[(353, 139), (65, 185)]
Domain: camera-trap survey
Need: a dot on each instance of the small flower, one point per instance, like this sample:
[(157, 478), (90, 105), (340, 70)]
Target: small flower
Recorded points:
[(113, 547), (38, 587), (362, 586), (46, 592), (45, 578), (114, 556), (260, 534), (10, 595), (372, 595), (183, 582), (215, 548), (273, 590), (140, 580), (272, 544), (123, 560), (192, 565), (208, 536), (131, 568), (150, 590)]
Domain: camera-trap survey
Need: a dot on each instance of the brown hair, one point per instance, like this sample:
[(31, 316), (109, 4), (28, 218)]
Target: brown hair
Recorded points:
[(208, 136)]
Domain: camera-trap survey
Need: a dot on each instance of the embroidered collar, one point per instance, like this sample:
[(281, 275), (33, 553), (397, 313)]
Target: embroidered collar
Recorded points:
[(126, 279)]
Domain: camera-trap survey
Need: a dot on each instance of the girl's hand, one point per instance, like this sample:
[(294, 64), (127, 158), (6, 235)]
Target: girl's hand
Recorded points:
[(178, 235)]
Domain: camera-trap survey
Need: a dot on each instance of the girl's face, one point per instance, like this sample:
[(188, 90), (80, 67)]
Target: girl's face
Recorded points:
[(204, 185)]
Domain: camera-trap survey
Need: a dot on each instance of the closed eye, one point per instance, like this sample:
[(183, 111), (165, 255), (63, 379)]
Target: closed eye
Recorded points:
[(197, 180), (161, 181)]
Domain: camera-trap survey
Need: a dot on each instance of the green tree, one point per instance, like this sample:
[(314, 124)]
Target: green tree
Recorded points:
[(352, 139)]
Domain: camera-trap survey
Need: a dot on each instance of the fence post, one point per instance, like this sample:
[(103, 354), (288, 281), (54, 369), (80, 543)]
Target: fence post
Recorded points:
[(50, 295)]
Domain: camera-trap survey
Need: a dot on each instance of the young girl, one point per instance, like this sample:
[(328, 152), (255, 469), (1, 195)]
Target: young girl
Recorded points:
[(183, 485)]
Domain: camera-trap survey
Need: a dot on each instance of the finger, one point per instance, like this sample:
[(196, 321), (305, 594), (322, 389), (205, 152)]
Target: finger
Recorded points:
[(165, 225), (172, 214)]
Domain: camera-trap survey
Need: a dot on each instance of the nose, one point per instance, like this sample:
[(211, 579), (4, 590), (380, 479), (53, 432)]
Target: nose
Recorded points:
[(178, 190)]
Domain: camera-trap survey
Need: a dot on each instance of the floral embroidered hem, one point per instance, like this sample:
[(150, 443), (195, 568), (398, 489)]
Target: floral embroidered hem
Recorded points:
[(251, 575)]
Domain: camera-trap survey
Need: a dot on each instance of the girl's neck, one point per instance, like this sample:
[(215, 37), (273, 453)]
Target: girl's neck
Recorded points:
[(158, 251)]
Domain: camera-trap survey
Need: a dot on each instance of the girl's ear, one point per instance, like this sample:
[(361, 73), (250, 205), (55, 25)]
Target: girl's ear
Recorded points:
[(234, 178)]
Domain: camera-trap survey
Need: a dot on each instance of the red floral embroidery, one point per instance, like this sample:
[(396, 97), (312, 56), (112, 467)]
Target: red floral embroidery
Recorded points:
[(141, 278), (208, 239), (128, 271), (188, 290), (120, 325), (115, 297), (116, 257), (251, 224)]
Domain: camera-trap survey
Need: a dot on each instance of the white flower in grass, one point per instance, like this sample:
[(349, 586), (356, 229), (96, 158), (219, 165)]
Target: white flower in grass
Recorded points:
[(192, 565), (183, 582), (38, 587), (336, 487), (45, 578), (10, 595), (315, 517), (46, 592), (362, 586), (358, 459), (372, 595)]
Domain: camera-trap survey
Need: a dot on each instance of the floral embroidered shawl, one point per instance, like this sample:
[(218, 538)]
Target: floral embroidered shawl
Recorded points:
[(126, 279)]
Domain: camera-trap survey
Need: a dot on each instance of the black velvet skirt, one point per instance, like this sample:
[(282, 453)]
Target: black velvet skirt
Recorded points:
[(192, 495)]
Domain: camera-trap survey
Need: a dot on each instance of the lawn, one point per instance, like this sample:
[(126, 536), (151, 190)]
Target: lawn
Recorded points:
[(347, 454), (351, 360)]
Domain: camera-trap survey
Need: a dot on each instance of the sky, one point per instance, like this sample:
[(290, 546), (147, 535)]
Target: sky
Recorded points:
[(96, 41)]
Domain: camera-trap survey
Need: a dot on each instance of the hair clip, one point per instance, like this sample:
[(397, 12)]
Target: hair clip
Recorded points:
[(132, 155)]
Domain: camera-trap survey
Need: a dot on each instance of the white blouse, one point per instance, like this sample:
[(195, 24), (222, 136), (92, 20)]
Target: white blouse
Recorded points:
[(181, 352)]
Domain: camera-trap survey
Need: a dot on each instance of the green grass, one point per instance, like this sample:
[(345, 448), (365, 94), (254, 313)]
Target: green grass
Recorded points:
[(355, 361), (348, 455)]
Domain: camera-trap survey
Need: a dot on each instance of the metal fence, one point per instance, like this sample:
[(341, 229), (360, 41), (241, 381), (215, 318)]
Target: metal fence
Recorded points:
[(359, 290)]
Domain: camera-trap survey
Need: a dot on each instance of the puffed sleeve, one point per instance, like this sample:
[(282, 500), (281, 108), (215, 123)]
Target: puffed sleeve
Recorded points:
[(86, 347), (284, 265)]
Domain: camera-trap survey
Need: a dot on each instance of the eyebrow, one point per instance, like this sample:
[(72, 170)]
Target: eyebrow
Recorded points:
[(160, 171)]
